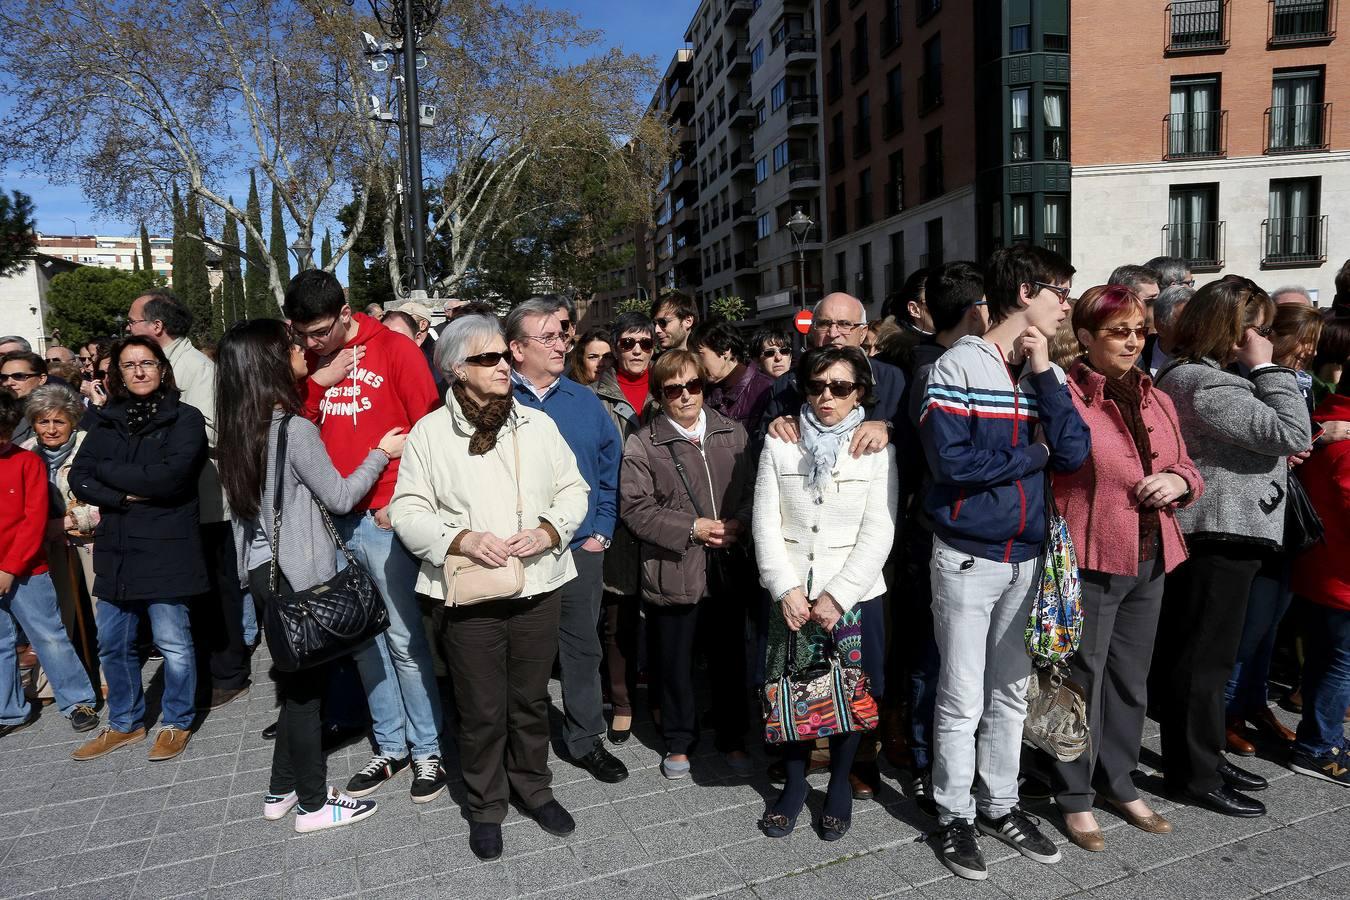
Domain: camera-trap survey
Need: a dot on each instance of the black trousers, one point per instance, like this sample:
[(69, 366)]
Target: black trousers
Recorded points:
[(673, 632), (500, 655), (1204, 607), (298, 762), (217, 617)]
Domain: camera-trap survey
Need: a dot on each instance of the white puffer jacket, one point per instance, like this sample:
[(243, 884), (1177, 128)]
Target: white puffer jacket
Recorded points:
[(841, 539)]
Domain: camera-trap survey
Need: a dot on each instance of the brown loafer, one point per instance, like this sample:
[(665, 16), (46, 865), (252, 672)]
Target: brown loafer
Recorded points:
[(861, 789), (105, 742), (1236, 742), (1153, 824), (1091, 841), (1266, 723), (170, 742)]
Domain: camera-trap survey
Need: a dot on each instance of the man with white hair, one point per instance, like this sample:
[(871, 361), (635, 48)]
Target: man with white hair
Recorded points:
[(1166, 311), (1292, 294), (11, 342)]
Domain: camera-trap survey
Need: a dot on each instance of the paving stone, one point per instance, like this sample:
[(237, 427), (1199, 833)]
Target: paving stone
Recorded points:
[(120, 887), (334, 879), (611, 854), (106, 862), (693, 876), (175, 880), (249, 863)]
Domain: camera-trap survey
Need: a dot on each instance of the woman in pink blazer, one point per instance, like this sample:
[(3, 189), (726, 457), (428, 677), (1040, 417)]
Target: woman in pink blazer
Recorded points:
[(1120, 507)]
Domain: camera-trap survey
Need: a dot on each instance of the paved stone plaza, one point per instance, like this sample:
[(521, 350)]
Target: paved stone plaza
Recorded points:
[(122, 827)]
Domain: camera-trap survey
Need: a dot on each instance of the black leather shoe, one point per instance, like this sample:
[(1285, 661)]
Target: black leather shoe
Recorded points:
[(554, 819), (270, 732), (603, 765), (832, 829), (1241, 778), (620, 737), (485, 839), (1228, 802)]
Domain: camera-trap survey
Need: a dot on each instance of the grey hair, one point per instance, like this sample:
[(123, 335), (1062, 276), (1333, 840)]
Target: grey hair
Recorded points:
[(515, 319), (460, 336), (53, 398), (1169, 302), (16, 339), (1170, 269), (1291, 289), (559, 302), (1133, 276)]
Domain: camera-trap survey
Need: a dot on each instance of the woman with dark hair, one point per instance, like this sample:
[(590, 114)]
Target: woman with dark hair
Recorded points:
[(771, 351), (737, 391), (824, 523), (258, 365), (1240, 431), (590, 357), (1333, 349), (139, 465), (1120, 507)]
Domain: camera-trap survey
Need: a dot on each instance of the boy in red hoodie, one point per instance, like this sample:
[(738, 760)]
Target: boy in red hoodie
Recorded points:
[(364, 380), (27, 595)]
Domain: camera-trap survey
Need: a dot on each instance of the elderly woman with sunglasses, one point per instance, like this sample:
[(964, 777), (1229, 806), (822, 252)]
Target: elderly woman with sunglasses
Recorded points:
[(485, 479), (685, 493), (1121, 509), (1242, 431), (824, 523)]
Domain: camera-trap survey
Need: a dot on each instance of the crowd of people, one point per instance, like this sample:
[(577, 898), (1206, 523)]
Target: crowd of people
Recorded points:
[(670, 509)]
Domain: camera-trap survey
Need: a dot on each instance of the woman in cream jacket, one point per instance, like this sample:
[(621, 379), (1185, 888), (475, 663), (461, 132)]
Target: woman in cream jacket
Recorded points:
[(463, 468), (824, 523)]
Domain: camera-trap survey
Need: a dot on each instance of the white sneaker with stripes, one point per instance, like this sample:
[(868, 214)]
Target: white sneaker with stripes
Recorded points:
[(338, 810)]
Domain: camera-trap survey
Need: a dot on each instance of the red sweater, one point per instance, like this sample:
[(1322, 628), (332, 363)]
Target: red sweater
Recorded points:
[(391, 388), (634, 388), (1323, 573), (23, 512)]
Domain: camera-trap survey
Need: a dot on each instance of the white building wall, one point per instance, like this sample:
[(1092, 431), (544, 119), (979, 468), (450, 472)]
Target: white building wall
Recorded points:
[(23, 305), (1118, 213)]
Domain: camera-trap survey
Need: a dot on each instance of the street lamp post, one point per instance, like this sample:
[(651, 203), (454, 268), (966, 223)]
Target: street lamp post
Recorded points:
[(800, 226), (304, 254)]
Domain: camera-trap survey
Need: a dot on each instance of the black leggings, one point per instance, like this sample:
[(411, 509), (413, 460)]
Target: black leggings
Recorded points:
[(839, 797), (298, 763)]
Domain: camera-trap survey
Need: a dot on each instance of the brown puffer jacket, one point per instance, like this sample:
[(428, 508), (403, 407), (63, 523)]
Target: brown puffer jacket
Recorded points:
[(655, 506)]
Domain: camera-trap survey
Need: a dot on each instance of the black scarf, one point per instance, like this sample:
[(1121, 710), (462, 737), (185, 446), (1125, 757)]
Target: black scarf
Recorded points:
[(141, 411)]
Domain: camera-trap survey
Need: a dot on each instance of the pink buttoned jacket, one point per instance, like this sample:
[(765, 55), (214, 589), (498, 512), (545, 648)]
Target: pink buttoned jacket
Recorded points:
[(1098, 500)]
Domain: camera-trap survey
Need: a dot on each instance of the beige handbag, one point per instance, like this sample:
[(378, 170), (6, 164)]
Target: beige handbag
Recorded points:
[(468, 583)]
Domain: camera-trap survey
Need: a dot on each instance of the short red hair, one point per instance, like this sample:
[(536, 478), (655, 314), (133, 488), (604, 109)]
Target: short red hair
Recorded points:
[(1102, 303)]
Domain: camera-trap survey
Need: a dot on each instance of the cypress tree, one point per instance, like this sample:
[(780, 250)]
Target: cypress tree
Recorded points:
[(193, 284), (258, 300), (176, 264), (147, 261), (326, 250), (278, 240), (232, 283), (135, 262)]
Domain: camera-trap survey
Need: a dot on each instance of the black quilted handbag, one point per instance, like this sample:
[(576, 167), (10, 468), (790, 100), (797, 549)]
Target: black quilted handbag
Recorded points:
[(310, 627)]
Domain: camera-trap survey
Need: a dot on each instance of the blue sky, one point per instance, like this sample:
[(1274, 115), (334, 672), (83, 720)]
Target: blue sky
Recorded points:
[(649, 27)]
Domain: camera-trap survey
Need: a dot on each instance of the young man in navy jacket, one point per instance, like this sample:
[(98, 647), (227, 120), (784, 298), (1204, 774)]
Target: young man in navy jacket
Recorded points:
[(996, 416)]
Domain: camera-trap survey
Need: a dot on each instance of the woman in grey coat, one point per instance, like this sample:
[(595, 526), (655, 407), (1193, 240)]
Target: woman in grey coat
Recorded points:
[(1241, 431), (257, 368)]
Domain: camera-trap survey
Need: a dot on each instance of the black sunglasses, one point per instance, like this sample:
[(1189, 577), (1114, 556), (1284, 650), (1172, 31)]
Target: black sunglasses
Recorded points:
[(838, 389), (486, 360), (626, 344), (774, 351), (674, 391)]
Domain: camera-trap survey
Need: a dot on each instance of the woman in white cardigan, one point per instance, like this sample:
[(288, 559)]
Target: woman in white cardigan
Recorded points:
[(463, 468), (823, 524)]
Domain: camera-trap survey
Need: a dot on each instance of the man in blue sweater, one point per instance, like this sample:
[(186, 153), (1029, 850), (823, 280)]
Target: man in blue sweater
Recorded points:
[(539, 355), (996, 416)]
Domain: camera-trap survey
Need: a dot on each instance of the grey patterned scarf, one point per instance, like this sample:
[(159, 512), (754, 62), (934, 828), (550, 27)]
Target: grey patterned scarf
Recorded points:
[(822, 443)]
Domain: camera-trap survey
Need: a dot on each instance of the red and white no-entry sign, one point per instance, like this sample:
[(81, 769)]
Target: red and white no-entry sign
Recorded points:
[(802, 320)]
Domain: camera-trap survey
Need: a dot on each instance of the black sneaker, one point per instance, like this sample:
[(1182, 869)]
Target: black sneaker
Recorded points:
[(1333, 766), (921, 791), (379, 770), (1018, 830), (82, 718), (959, 850), (428, 779)]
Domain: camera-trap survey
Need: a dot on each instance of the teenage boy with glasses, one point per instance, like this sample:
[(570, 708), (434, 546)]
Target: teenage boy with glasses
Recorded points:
[(996, 414)]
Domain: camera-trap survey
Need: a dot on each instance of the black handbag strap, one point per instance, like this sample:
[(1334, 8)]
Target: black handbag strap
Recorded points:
[(277, 494), (684, 479)]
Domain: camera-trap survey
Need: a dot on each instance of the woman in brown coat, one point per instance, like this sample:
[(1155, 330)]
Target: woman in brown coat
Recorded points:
[(685, 491)]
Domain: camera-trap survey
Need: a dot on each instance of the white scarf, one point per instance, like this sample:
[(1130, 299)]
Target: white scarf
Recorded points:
[(696, 433), (822, 443)]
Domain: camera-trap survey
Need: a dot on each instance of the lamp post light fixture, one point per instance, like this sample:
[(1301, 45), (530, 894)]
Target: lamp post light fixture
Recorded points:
[(304, 254), (800, 225)]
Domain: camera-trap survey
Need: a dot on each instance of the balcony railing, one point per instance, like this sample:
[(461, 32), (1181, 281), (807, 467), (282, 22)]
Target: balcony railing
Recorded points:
[(930, 89), (1294, 241), (930, 180), (739, 10), (891, 119), (1199, 243), (1302, 21), (862, 137), (1298, 129), (862, 211), (746, 259), (890, 34), (1196, 25), (743, 157), (804, 171), (805, 106), (743, 208), (1195, 135), (798, 45)]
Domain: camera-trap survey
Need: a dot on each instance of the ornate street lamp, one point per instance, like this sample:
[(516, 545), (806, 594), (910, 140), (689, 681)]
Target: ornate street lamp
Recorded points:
[(800, 225)]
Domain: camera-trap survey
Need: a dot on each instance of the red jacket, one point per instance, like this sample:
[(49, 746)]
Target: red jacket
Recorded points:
[(391, 388), (1323, 573), (1098, 499), (23, 512)]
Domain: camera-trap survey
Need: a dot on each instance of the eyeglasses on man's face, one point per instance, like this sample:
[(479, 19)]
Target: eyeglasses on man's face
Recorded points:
[(1061, 292), (548, 339), (316, 334), (844, 326)]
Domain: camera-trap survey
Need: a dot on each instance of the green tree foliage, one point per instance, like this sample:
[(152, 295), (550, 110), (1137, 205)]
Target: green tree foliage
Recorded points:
[(179, 224), (730, 308), (277, 240), (631, 304), (258, 300), (147, 260), (91, 302), (18, 239), (326, 250), (368, 278), (191, 282), (232, 305)]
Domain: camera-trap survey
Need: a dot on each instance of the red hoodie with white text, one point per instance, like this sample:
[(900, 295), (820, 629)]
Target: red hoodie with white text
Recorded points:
[(390, 388)]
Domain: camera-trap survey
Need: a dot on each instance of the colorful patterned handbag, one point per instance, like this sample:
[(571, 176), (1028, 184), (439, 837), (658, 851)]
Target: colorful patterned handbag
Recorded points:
[(1055, 627), (825, 696)]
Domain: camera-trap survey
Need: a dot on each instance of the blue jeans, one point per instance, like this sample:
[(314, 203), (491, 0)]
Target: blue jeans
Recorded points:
[(396, 666), (250, 620), (31, 603), (1266, 605), (1326, 680), (118, 623)]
